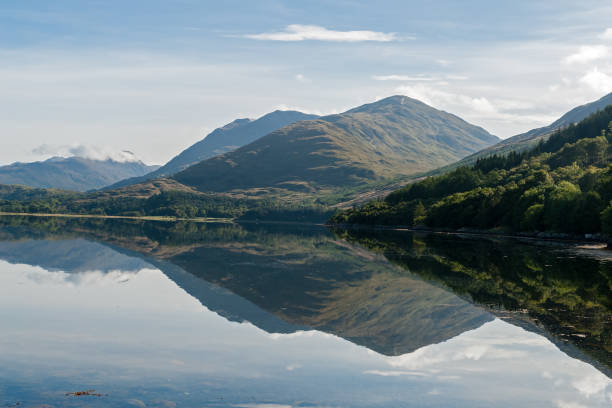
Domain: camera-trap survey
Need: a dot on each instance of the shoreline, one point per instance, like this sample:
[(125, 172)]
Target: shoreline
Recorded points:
[(546, 237), (121, 217)]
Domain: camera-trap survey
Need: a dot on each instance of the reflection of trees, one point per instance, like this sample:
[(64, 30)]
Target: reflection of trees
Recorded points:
[(567, 293)]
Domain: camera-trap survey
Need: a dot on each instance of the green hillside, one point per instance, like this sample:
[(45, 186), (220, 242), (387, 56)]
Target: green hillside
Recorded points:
[(561, 185), (396, 136), (529, 139), (222, 140)]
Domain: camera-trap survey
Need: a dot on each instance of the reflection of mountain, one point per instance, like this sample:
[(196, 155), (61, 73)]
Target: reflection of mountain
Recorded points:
[(558, 292), (283, 281), (72, 255)]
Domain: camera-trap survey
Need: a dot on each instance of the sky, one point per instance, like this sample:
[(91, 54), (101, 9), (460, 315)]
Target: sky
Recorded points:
[(152, 77)]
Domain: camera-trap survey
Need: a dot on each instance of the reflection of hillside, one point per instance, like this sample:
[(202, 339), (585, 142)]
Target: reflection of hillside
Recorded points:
[(71, 255), (560, 292), (284, 280)]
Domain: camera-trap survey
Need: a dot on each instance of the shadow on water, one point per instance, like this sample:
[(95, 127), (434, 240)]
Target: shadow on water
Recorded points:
[(392, 292)]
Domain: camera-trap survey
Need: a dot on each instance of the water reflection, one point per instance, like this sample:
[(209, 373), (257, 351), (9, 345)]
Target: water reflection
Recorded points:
[(561, 291), (104, 305)]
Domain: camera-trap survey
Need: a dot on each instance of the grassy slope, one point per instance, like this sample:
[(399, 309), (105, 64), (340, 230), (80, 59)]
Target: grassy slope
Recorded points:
[(397, 136), (222, 140), (556, 186)]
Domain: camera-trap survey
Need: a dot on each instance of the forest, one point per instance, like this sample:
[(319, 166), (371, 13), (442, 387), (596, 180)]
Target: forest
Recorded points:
[(177, 204), (563, 185)]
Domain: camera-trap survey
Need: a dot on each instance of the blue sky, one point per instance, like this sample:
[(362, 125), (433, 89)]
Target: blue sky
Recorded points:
[(155, 76)]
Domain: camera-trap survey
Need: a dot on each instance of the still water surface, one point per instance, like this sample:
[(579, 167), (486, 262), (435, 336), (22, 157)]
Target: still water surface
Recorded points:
[(153, 314)]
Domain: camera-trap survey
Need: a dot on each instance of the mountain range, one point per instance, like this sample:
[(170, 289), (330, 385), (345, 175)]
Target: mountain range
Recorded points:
[(396, 136), (72, 173), (238, 133), (338, 160)]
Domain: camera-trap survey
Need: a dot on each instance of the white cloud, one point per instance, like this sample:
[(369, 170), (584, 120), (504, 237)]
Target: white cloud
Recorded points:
[(473, 107), (606, 35), (446, 100), (299, 32), (588, 53), (301, 78), (85, 151), (597, 80)]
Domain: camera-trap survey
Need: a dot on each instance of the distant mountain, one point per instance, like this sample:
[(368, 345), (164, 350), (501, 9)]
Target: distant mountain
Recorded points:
[(396, 136), (222, 140), (531, 138), (71, 173)]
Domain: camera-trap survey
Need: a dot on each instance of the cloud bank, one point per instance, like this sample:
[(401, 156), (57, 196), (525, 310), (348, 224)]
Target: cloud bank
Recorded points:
[(85, 151)]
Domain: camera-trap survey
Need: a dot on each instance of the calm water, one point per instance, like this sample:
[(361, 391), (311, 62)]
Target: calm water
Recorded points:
[(153, 314)]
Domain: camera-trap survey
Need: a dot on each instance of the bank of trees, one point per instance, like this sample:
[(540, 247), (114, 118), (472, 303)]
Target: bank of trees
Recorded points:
[(563, 184)]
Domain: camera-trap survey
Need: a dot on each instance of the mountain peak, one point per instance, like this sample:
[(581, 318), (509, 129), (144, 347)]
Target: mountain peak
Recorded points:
[(236, 123), (390, 102)]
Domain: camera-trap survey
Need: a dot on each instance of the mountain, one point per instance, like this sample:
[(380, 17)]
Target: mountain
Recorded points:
[(222, 140), (396, 136), (71, 173), (562, 185), (531, 138)]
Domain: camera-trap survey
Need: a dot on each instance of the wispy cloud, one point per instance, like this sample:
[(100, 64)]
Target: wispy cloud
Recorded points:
[(299, 32)]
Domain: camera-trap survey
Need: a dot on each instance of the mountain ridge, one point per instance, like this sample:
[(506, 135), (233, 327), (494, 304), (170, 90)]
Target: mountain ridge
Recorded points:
[(226, 138), (387, 138), (71, 173)]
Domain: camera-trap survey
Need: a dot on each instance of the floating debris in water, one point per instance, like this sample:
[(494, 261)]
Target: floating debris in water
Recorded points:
[(91, 393)]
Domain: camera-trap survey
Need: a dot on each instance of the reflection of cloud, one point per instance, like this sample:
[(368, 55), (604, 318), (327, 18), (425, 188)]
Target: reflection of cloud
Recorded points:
[(432, 355), (261, 406), (566, 404), (395, 373), (292, 367), (592, 384), (299, 333), (90, 278)]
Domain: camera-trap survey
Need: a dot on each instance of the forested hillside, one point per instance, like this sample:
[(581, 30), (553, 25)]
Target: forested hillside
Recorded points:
[(563, 185)]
